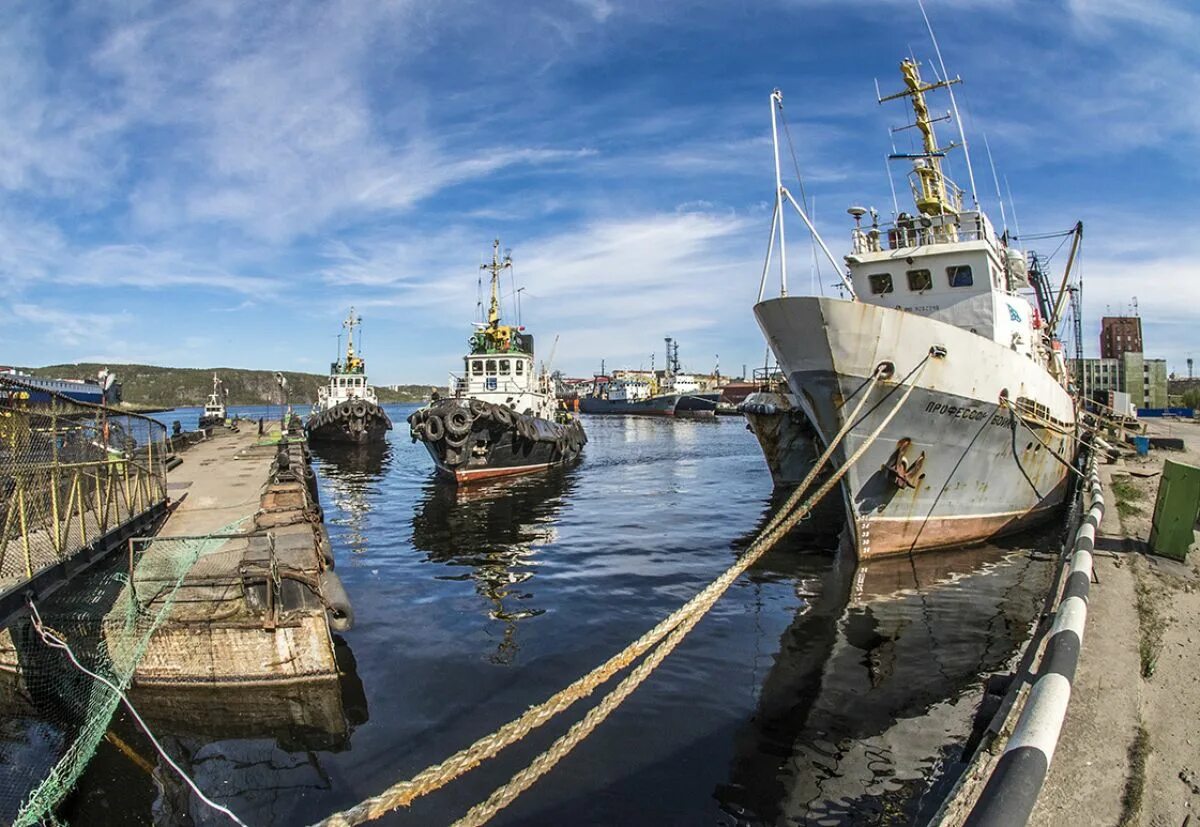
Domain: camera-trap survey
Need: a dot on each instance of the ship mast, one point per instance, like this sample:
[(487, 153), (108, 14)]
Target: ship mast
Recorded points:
[(350, 323), (497, 267), (935, 195)]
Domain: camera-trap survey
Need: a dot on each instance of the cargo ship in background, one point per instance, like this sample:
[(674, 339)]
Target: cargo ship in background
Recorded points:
[(934, 306), (103, 390), (669, 392), (347, 409), (502, 416)]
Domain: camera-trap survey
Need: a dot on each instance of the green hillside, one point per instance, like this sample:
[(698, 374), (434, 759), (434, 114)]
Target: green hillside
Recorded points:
[(185, 387)]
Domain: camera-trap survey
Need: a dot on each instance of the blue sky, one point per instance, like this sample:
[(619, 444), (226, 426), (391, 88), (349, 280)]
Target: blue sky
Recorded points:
[(215, 183)]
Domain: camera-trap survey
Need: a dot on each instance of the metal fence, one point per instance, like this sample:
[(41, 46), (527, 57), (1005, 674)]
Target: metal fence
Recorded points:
[(76, 480)]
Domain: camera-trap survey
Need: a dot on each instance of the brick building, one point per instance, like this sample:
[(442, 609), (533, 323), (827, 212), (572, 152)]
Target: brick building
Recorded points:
[(1120, 334)]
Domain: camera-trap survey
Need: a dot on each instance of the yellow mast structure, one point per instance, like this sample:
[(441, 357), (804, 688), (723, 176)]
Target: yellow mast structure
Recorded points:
[(353, 363), (498, 334), (933, 195)]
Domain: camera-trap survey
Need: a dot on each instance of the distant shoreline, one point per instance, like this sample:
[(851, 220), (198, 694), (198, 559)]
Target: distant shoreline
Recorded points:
[(153, 388)]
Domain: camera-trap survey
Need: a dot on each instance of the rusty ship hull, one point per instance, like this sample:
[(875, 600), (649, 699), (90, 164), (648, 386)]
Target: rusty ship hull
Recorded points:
[(973, 442)]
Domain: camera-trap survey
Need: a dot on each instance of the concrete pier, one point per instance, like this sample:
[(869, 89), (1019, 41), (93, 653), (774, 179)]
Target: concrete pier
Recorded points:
[(1129, 752), (253, 608), (1129, 749)]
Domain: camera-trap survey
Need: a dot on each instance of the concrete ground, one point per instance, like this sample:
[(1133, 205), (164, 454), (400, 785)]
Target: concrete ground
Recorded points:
[(219, 482), (1129, 752)]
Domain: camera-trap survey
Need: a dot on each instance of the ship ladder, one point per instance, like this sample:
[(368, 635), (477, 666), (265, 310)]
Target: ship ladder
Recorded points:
[(663, 639)]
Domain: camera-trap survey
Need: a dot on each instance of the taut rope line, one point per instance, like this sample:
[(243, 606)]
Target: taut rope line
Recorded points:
[(677, 625)]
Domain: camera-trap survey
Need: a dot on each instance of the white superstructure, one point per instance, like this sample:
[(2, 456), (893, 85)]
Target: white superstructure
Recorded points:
[(500, 368)]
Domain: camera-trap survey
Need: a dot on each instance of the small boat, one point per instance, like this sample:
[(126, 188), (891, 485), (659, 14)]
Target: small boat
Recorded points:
[(500, 417), (347, 410), (933, 308), (214, 408)]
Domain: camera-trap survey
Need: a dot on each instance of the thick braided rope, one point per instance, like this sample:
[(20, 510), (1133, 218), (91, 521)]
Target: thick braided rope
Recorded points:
[(436, 776), (523, 780), (782, 513)]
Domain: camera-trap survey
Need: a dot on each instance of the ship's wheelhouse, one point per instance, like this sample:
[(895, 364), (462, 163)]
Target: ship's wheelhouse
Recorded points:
[(955, 271), (499, 373)]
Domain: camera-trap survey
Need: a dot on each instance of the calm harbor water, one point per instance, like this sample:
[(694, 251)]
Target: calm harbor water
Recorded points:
[(815, 692)]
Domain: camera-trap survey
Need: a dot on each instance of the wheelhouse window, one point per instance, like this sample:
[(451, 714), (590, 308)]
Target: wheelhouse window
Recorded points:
[(880, 283), (491, 367), (341, 381), (960, 275), (519, 365), (477, 367), (504, 367), (919, 280)]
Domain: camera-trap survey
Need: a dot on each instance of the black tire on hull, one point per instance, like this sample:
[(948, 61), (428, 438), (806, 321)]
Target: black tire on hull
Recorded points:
[(339, 425)]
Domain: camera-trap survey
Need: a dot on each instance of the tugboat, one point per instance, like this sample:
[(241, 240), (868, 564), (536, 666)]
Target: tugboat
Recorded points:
[(500, 417), (932, 308), (347, 410), (214, 408)]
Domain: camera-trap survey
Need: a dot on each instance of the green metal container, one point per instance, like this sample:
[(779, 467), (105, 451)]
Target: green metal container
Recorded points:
[(1175, 511)]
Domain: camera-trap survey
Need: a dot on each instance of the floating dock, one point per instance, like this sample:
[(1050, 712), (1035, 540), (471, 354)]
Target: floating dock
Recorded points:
[(206, 592), (260, 601)]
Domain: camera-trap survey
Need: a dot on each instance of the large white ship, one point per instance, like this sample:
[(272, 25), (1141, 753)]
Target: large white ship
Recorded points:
[(933, 300)]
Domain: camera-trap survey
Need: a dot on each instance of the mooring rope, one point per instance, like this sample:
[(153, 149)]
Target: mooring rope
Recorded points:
[(677, 626), (506, 794), (1016, 415)]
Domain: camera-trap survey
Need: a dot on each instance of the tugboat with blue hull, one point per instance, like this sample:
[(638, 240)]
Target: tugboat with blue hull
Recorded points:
[(501, 417), (347, 409)]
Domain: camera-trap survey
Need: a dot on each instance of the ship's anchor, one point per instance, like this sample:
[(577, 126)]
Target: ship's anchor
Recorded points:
[(902, 472)]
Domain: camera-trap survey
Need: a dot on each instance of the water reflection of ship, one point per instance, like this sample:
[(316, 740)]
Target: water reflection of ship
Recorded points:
[(494, 530), (871, 692), (350, 473)]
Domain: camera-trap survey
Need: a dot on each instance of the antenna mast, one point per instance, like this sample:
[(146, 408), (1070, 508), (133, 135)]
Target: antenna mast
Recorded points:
[(962, 135), (497, 267), (351, 322), (937, 196)]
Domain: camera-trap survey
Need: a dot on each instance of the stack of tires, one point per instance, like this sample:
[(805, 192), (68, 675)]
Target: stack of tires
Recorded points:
[(451, 423), (345, 410)]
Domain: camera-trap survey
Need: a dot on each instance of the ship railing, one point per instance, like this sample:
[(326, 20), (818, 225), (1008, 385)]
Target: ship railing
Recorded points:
[(919, 231), (769, 380)]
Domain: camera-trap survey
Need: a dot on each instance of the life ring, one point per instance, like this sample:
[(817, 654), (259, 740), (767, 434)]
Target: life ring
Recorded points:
[(458, 423), (435, 429), (503, 415)]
